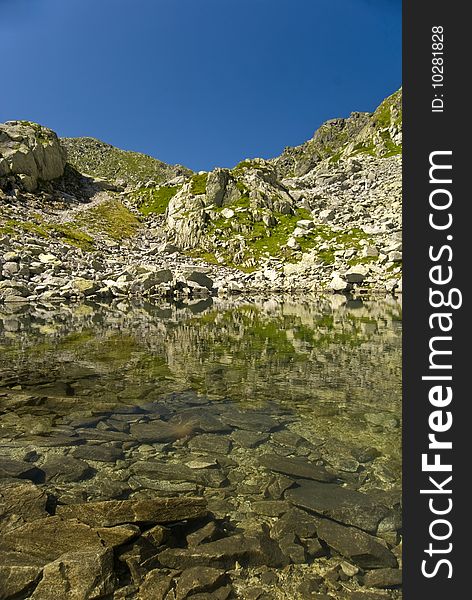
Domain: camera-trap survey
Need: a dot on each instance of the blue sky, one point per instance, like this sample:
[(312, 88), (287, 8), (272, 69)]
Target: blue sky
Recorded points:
[(203, 83)]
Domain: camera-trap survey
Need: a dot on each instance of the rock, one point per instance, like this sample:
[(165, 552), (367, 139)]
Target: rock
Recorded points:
[(118, 535), (251, 421), (196, 420), (18, 574), (65, 469), (155, 586), (97, 453), (355, 274), (156, 535), (395, 257), (51, 537), (155, 432), (295, 521), (370, 251), (383, 578), (293, 244), (292, 548), (255, 550), (79, 575), (326, 215), (228, 213), (21, 502), (216, 186), (18, 469), (249, 439), (162, 276), (47, 258), (198, 579), (270, 508), (201, 279), (338, 503), (116, 512), (295, 468), (338, 284), (30, 152), (361, 548), (160, 471), (10, 269), (305, 224), (210, 443), (207, 533), (85, 287)]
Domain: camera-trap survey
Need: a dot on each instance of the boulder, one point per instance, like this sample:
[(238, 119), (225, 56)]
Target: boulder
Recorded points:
[(31, 153), (254, 550), (199, 579), (216, 186), (21, 502), (49, 538), (201, 279)]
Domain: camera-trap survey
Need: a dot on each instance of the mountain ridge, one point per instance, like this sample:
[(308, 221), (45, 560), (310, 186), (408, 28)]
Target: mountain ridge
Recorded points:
[(324, 215)]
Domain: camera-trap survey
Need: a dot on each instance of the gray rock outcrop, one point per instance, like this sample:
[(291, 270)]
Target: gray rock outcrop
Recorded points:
[(30, 153)]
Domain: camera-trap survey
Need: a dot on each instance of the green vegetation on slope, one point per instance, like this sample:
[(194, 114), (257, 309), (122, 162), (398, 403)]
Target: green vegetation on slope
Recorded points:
[(198, 185), (96, 158), (110, 218), (154, 200)]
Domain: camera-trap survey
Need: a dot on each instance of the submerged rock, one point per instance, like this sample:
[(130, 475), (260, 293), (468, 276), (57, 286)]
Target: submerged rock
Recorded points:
[(363, 549), (338, 503), (116, 512), (78, 575)]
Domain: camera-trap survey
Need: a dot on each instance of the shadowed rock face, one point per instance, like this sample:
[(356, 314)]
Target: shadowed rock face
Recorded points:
[(30, 153)]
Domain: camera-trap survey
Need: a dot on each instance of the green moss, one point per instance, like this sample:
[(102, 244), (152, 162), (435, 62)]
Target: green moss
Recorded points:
[(198, 183), (242, 188), (154, 200)]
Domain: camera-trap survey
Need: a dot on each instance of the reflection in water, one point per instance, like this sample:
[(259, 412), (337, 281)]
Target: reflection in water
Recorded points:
[(335, 364)]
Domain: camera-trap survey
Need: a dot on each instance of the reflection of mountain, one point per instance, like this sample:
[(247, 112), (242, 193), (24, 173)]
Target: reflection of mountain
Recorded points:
[(296, 350)]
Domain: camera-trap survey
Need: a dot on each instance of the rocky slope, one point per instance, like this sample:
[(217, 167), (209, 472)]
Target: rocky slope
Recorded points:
[(325, 215), (98, 159)]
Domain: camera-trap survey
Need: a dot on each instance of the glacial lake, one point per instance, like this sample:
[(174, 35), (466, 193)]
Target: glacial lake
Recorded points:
[(331, 367), (231, 400)]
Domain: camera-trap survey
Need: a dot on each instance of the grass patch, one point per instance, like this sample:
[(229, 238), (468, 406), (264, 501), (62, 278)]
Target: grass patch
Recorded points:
[(111, 218), (154, 200), (66, 232), (71, 235), (198, 184)]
